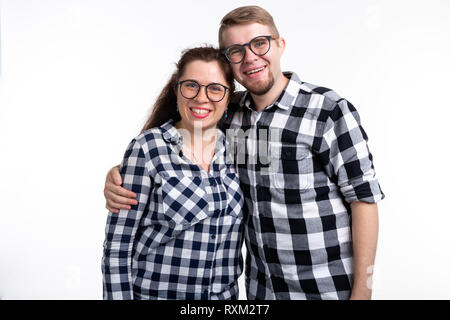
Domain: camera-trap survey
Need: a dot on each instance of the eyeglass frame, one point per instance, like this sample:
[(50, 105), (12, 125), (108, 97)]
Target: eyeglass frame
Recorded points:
[(224, 51), (180, 83)]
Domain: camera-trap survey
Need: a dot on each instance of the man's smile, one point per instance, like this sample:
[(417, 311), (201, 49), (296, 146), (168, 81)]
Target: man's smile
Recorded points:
[(255, 72)]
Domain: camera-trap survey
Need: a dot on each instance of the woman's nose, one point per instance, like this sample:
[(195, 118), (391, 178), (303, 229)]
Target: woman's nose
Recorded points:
[(202, 96)]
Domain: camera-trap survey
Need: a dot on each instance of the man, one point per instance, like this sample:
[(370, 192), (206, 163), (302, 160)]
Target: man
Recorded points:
[(312, 217)]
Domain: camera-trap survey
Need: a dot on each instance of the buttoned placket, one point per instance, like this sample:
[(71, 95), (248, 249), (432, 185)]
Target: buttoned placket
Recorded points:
[(216, 204), (257, 119)]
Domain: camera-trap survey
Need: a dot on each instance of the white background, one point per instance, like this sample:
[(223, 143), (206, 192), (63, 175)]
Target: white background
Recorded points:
[(78, 79)]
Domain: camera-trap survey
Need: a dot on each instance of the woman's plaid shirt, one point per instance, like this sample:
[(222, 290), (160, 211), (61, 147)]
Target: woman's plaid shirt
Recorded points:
[(183, 239), (301, 162)]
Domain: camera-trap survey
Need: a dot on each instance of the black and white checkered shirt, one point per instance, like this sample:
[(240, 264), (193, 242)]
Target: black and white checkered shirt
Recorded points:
[(183, 239), (305, 160)]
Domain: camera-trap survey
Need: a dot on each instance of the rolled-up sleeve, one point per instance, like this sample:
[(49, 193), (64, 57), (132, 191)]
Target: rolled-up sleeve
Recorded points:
[(121, 228), (345, 155)]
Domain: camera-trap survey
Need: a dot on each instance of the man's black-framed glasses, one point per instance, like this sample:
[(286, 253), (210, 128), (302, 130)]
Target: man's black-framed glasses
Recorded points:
[(259, 45), (214, 91)]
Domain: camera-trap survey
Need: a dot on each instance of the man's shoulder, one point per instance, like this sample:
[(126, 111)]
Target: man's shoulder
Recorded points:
[(237, 97), (325, 103), (319, 93), (233, 107)]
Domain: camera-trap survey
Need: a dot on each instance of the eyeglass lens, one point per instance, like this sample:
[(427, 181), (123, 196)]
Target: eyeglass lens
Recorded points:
[(259, 46), (214, 92)]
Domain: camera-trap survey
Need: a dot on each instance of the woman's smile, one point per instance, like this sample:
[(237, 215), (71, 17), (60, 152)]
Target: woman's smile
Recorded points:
[(200, 112)]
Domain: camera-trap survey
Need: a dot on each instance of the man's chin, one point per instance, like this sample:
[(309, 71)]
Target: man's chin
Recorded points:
[(259, 89)]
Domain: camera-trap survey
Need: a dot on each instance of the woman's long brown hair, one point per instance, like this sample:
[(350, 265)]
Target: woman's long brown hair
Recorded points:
[(165, 107)]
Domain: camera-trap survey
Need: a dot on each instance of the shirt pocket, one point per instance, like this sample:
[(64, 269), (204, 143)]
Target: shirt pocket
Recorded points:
[(184, 200), (291, 167)]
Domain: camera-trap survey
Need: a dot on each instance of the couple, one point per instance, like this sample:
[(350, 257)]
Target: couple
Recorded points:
[(310, 226)]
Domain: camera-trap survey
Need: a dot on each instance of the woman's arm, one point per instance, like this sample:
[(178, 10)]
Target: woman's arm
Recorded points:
[(121, 228)]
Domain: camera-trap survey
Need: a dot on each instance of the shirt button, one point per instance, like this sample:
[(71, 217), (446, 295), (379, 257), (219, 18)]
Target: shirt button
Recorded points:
[(213, 236)]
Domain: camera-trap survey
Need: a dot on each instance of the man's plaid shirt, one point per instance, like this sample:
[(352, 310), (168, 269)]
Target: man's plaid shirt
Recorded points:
[(303, 160)]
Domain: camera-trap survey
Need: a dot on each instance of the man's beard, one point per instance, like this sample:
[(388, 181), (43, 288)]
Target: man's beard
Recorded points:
[(260, 90)]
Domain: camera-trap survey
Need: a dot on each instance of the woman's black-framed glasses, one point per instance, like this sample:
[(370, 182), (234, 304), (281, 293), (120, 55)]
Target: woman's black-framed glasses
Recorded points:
[(214, 91), (259, 45)]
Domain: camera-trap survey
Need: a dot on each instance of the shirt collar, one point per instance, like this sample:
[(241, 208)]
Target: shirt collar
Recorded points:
[(172, 135), (284, 101)]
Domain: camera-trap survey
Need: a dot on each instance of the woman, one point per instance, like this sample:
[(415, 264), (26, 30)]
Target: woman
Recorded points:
[(182, 240)]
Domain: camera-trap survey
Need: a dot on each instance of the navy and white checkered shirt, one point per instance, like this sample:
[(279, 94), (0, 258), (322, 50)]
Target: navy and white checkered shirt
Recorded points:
[(183, 238), (298, 187)]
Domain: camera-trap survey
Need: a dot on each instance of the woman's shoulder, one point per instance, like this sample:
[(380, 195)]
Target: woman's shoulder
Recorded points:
[(147, 140), (156, 134), (149, 135), (152, 141)]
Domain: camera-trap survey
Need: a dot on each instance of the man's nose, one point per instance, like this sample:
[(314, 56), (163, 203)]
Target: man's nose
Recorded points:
[(249, 55)]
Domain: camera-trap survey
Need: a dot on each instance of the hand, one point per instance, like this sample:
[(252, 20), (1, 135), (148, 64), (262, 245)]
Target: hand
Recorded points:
[(116, 196)]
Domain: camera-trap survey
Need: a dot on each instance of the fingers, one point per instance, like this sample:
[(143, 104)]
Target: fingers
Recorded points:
[(113, 176), (115, 196), (116, 207), (112, 209), (116, 175), (114, 190), (114, 202), (113, 184)]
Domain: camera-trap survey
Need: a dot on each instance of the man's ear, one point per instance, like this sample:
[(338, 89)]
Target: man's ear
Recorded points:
[(281, 43)]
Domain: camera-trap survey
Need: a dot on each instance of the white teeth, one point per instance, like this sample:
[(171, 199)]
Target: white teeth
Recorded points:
[(256, 70), (199, 111)]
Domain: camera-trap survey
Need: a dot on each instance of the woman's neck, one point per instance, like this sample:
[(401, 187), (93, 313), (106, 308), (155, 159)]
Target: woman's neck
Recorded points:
[(196, 137)]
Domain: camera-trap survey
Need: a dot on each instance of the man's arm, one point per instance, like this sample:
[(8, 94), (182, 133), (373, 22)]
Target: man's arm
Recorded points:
[(346, 159), (116, 196), (365, 236)]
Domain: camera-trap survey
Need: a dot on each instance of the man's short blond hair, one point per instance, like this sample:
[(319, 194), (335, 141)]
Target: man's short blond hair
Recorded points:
[(246, 15)]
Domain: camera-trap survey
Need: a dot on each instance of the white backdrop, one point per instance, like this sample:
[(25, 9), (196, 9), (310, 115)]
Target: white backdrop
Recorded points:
[(78, 79)]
